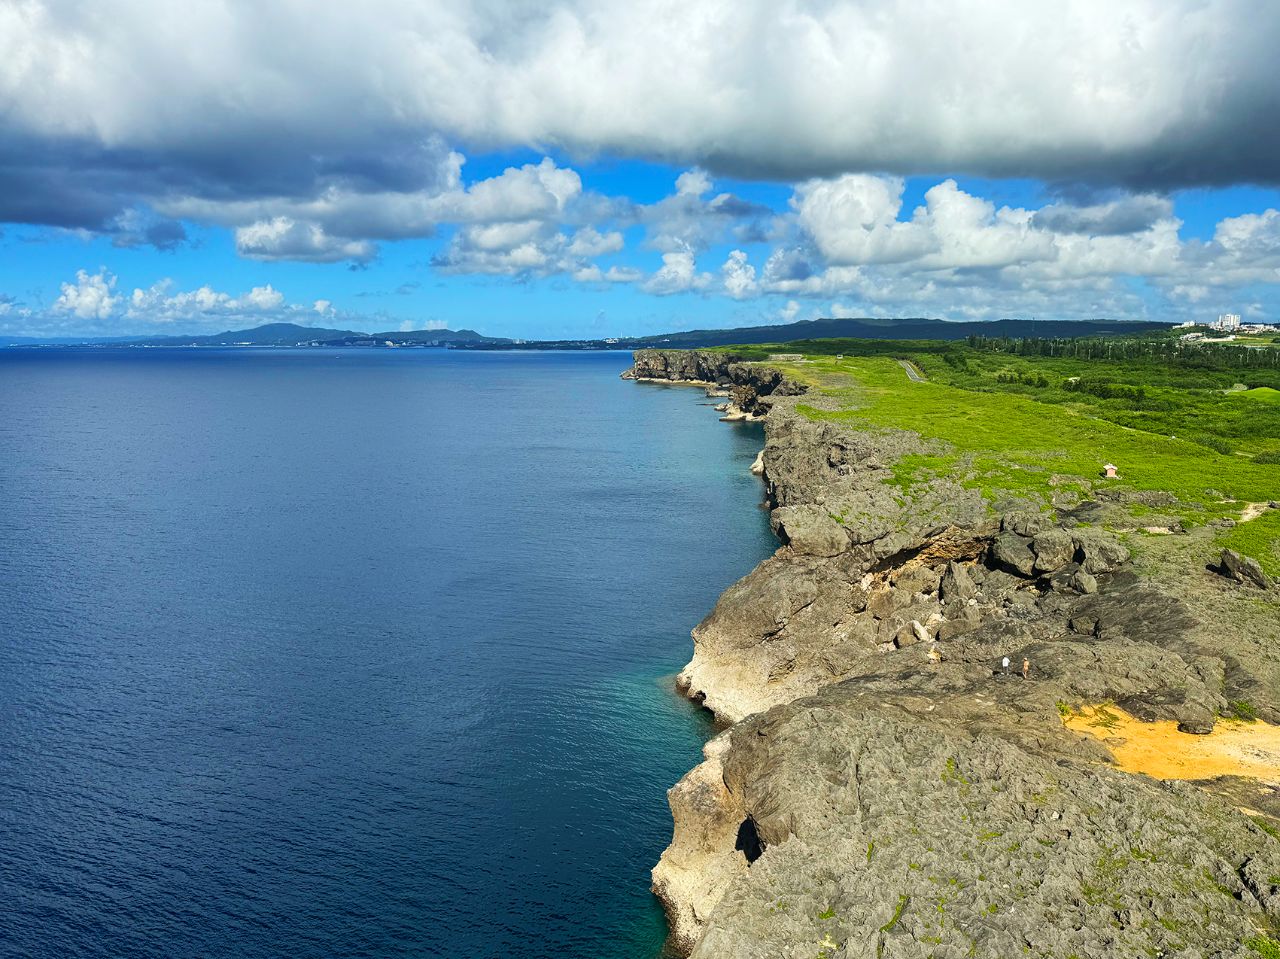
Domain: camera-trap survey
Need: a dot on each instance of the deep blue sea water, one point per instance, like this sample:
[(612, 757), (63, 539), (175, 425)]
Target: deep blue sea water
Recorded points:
[(350, 653)]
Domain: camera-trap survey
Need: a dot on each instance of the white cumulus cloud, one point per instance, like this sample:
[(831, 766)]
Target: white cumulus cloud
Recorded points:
[(678, 274), (94, 299), (283, 238), (739, 275), (91, 297)]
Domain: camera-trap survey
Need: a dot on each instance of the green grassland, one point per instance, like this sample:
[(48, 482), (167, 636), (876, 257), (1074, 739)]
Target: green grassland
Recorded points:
[(1259, 394), (1018, 426)]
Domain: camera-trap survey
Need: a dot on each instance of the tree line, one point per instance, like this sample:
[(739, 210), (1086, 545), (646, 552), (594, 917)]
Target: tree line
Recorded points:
[(1213, 356)]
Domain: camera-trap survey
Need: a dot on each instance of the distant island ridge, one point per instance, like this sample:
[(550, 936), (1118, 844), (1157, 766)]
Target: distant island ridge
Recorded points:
[(908, 328), (271, 334)]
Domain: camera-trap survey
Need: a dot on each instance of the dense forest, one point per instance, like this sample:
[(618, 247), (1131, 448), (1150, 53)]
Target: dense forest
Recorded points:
[(1215, 356)]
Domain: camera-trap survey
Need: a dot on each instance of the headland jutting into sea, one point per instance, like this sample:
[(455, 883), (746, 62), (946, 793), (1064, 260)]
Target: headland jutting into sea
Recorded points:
[(924, 690)]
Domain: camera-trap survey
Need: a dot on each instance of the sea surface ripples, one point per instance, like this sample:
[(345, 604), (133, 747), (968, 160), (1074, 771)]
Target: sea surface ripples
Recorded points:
[(349, 653)]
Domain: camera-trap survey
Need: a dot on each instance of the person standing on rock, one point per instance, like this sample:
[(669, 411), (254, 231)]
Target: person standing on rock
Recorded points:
[(1026, 668), (1005, 664)]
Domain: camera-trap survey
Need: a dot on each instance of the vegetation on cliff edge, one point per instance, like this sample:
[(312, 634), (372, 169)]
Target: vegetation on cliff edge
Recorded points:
[(1203, 429)]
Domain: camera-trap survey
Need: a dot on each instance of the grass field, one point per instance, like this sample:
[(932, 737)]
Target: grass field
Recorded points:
[(1259, 394), (1010, 428)]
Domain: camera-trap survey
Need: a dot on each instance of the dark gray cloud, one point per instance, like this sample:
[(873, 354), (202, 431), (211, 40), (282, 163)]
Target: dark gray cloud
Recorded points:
[(155, 103), (165, 235), (80, 185), (135, 228), (788, 264), (1117, 217)]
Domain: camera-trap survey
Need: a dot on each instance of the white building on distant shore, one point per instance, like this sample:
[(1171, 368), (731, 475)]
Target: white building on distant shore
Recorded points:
[(1228, 322)]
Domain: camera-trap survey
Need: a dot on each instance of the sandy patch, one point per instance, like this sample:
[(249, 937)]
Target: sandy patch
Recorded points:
[(1159, 750), (1253, 511)]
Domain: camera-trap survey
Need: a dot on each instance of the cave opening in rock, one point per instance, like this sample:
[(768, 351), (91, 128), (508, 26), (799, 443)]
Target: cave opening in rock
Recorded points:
[(749, 842)]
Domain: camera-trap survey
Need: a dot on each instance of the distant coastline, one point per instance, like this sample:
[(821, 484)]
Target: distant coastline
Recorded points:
[(292, 334)]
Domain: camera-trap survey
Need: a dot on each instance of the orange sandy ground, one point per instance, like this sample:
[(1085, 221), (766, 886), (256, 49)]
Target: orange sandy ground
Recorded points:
[(1159, 750)]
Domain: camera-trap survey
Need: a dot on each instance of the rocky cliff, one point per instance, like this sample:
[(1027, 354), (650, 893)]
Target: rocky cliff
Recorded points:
[(751, 388), (889, 788)]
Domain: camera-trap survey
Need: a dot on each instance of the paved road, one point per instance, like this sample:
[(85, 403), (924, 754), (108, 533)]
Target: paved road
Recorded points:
[(912, 373)]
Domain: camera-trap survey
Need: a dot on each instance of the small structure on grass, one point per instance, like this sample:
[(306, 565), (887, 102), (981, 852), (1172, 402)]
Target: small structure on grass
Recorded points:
[(1110, 471)]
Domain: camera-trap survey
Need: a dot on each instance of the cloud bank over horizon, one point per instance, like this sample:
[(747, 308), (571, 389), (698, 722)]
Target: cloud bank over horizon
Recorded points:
[(846, 245), (327, 135)]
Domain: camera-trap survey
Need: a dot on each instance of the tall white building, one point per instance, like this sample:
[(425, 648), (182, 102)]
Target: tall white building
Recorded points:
[(1228, 321)]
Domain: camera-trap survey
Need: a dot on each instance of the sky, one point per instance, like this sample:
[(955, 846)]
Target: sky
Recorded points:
[(569, 168)]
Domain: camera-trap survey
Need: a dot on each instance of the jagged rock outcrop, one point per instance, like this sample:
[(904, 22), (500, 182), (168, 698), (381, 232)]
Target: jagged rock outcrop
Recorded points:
[(1243, 569), (681, 366), (911, 826), (749, 386), (864, 570), (862, 664)]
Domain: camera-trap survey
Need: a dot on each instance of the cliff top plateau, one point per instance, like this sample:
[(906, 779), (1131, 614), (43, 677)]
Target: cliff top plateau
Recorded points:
[(1012, 575)]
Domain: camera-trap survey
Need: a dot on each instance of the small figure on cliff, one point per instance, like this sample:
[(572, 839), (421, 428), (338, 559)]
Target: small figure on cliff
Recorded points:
[(1004, 663), (1026, 668)]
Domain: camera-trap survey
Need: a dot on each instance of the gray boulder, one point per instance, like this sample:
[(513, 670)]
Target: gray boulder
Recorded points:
[(957, 584), (809, 530), (1065, 580), (1023, 523), (1243, 569), (918, 579), (966, 620), (1013, 553), (1099, 551), (910, 634), (1053, 548), (1082, 581), (883, 603), (1073, 578)]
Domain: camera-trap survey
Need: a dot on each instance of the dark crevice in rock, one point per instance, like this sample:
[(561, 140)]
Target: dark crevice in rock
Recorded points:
[(749, 842)]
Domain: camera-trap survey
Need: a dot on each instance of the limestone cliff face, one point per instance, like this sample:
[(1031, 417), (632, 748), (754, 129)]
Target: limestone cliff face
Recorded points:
[(680, 366), (861, 664), (750, 387), (801, 619)]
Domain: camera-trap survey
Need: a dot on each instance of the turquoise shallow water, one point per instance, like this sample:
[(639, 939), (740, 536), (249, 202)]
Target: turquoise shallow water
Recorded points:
[(350, 653)]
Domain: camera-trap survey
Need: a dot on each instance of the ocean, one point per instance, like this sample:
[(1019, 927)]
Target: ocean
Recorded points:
[(326, 653)]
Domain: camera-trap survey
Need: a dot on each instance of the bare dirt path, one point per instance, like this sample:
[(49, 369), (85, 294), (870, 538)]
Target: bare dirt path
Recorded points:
[(1253, 511), (913, 374)]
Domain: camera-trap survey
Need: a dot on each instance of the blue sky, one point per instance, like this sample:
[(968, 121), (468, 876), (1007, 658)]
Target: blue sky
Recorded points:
[(571, 169)]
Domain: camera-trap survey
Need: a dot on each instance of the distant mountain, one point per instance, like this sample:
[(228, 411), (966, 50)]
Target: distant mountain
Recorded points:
[(275, 334), (272, 334), (913, 328), (863, 328), (415, 338)]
